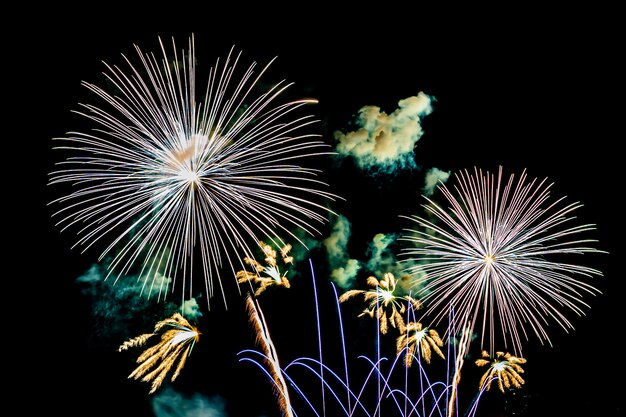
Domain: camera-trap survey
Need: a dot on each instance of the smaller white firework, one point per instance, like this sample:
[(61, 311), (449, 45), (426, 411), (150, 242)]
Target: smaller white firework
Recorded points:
[(488, 257)]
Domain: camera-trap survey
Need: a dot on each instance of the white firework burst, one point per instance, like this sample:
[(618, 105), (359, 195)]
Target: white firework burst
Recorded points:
[(489, 257), (168, 184)]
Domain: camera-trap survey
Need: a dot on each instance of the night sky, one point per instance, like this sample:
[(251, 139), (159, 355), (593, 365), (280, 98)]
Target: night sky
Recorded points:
[(535, 91)]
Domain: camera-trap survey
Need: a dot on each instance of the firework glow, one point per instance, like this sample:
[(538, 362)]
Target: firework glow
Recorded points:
[(168, 181), (177, 340), (488, 257), (504, 368), (384, 303), (419, 340), (273, 275)]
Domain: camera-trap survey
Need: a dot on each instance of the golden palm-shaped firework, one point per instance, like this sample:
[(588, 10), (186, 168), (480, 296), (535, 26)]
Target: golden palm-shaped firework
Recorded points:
[(383, 302), (420, 340), (273, 275), (504, 367), (177, 339)]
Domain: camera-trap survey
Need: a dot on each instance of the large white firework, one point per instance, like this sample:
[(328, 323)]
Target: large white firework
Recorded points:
[(497, 257), (169, 184)]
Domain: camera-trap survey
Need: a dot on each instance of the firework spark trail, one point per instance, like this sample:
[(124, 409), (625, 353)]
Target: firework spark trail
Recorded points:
[(419, 340), (164, 179), (491, 252), (464, 342), (270, 355)]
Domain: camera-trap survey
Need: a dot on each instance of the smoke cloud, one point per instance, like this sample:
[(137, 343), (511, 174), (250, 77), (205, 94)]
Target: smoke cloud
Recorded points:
[(344, 276), (382, 260), (116, 307), (343, 268), (434, 176), (385, 142), (169, 403)]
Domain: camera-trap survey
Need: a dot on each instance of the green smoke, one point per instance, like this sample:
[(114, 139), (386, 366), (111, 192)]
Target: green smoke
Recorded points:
[(343, 269), (385, 142), (344, 276), (382, 252), (434, 177), (121, 309), (169, 403), (381, 259)]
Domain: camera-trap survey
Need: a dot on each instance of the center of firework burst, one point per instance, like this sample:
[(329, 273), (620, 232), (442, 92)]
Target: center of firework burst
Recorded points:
[(499, 366), (489, 259), (190, 176), (386, 295)]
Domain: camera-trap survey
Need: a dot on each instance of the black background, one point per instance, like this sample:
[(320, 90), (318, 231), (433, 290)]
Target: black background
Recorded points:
[(531, 89)]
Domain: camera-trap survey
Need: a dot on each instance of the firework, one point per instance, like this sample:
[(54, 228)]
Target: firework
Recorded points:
[(505, 368), (177, 339), (168, 183), (383, 303), (491, 252), (420, 340), (379, 392), (273, 275)]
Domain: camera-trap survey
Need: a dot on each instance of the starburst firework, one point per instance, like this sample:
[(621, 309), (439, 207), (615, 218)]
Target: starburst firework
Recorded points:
[(169, 184), (491, 252)]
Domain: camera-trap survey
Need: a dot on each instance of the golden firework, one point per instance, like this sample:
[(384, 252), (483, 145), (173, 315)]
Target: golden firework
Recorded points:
[(505, 368), (273, 275), (177, 339), (420, 340), (383, 303)]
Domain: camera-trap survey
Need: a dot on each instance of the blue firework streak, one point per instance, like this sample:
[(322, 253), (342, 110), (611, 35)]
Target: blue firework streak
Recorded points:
[(168, 184), (489, 257)]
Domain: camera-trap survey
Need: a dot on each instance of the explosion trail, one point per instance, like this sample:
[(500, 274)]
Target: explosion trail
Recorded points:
[(466, 338)]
